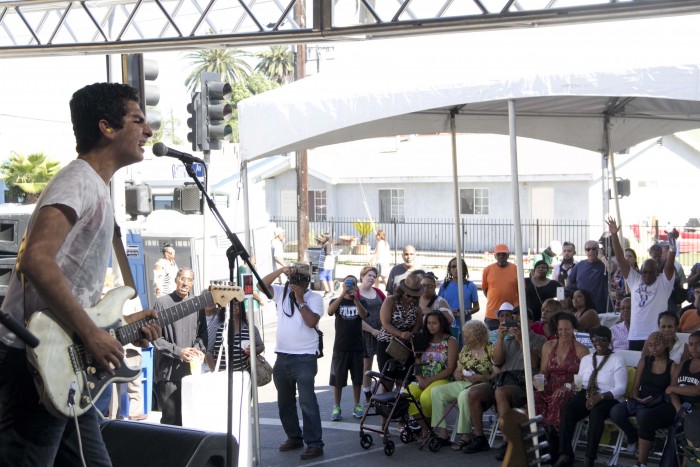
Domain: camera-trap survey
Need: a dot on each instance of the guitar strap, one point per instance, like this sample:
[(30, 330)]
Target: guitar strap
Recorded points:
[(122, 260)]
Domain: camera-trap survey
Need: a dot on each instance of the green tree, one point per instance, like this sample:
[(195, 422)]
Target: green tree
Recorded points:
[(27, 176), (277, 64), (229, 63)]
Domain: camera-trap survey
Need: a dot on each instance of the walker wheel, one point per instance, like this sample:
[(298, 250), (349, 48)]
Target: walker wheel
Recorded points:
[(406, 436), (434, 444), (366, 441), (389, 448)]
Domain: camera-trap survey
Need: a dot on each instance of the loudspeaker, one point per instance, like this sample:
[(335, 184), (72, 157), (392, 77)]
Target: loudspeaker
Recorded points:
[(7, 264), (138, 200), (186, 199), (12, 228), (136, 444)]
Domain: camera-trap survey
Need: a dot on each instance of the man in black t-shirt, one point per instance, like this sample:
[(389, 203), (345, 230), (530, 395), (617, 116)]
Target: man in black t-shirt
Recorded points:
[(348, 348)]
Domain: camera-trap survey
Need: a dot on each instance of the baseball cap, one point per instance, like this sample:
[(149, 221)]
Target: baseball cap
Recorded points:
[(505, 307), (501, 248), (277, 232)]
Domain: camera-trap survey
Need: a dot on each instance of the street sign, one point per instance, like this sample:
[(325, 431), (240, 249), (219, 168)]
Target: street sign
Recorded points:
[(247, 285), (179, 170)]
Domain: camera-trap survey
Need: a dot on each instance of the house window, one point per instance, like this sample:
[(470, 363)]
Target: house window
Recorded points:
[(317, 205), (474, 201), (391, 205)]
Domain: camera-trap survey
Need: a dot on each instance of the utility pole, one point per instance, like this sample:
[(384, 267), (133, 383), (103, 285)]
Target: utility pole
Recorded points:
[(301, 156)]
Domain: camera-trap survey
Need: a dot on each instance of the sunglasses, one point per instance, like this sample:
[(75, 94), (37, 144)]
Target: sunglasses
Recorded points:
[(599, 339)]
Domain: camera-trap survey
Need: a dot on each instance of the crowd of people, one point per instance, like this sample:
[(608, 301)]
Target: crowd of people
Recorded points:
[(479, 365)]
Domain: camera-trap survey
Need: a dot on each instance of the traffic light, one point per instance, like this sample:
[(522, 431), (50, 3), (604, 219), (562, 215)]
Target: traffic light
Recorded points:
[(140, 73), (193, 121), (623, 187), (215, 111)]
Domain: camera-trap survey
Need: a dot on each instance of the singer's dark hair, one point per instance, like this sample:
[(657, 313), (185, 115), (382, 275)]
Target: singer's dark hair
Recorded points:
[(95, 102)]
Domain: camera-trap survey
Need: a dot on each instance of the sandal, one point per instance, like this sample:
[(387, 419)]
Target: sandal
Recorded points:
[(459, 445)]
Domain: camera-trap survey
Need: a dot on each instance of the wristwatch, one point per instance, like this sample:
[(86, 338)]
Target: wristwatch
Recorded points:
[(302, 305), (568, 386)]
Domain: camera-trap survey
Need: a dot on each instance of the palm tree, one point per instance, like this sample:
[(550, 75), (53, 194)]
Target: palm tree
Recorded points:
[(27, 176), (226, 62), (277, 64)]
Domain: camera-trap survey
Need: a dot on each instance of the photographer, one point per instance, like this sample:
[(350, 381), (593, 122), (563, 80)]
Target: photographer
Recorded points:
[(298, 313)]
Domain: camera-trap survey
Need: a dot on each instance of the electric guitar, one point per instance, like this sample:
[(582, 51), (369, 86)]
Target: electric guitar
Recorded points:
[(68, 379)]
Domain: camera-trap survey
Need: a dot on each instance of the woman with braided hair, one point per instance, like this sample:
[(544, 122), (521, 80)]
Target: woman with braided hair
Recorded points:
[(449, 290)]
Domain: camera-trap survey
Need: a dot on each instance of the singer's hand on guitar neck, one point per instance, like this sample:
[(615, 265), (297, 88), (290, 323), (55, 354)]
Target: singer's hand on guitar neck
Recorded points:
[(151, 331)]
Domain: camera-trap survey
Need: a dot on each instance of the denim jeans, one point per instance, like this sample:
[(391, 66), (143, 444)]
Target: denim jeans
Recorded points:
[(29, 435), (292, 373)]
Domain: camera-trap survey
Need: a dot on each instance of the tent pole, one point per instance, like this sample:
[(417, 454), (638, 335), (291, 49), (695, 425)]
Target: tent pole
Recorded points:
[(611, 162), (458, 232), (524, 324), (243, 177)]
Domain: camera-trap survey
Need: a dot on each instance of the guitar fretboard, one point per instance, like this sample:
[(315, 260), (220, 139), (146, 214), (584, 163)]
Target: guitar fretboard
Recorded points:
[(132, 332)]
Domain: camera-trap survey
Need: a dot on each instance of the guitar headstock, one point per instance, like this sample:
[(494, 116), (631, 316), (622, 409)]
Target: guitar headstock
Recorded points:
[(223, 294)]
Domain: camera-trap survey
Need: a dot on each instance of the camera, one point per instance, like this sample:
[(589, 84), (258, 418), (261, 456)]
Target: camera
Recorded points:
[(514, 323), (298, 278)]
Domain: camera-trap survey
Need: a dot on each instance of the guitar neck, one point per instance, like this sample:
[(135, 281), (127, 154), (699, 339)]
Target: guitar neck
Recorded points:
[(132, 332)]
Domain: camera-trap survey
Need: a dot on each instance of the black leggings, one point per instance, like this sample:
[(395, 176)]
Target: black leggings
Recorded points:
[(574, 411)]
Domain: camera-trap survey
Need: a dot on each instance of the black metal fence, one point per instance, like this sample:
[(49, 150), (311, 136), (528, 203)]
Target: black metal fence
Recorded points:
[(436, 237)]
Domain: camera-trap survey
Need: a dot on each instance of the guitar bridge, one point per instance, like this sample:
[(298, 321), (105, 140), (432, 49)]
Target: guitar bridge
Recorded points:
[(75, 359)]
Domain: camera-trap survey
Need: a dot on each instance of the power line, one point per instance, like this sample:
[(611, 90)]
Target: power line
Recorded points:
[(33, 118)]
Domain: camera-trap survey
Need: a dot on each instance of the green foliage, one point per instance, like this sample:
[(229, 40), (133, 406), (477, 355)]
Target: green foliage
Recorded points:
[(277, 64), (364, 228), (228, 63), (27, 176)]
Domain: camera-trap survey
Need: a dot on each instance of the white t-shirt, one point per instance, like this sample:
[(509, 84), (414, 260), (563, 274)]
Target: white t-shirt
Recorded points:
[(84, 255), (647, 302), (293, 335)]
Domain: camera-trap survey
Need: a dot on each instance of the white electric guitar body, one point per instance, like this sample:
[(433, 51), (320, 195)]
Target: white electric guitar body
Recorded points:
[(68, 380)]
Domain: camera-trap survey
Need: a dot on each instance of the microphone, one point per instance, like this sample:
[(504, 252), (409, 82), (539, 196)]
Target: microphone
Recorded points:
[(160, 150)]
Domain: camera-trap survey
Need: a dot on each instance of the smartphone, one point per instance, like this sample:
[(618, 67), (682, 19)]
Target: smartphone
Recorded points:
[(350, 284), (514, 323), (560, 293)]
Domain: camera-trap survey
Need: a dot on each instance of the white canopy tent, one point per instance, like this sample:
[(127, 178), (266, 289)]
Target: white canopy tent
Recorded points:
[(587, 98)]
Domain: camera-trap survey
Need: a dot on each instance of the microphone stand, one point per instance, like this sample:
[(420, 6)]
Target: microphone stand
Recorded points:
[(20, 331), (236, 250)]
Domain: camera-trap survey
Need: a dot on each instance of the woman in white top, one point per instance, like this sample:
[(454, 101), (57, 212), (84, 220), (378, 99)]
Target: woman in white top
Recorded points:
[(381, 256), (165, 271), (604, 377)]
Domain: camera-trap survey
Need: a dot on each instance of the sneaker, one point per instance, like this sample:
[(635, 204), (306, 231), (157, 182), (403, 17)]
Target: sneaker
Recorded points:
[(479, 443), (336, 416), (631, 448), (358, 411)]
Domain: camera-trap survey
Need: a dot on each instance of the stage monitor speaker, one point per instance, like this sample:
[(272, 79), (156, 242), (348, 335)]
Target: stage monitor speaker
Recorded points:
[(12, 228), (138, 200), (186, 199), (137, 444), (7, 264)]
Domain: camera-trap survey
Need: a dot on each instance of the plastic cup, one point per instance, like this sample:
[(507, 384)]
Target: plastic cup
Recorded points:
[(539, 382), (578, 382), (245, 344), (196, 366)]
